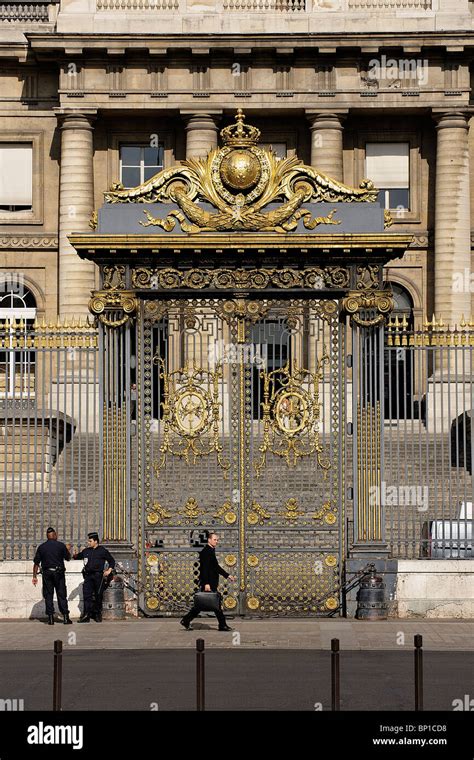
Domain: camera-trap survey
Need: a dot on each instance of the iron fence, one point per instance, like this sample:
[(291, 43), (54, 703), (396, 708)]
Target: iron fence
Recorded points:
[(50, 457)]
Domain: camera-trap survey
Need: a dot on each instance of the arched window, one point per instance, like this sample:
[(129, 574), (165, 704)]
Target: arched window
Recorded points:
[(17, 316), (398, 363)]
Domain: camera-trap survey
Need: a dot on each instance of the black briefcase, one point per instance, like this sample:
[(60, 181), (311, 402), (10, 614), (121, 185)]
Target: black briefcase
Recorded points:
[(207, 601)]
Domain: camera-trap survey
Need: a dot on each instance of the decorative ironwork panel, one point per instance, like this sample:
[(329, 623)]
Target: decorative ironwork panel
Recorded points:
[(295, 583), (238, 431)]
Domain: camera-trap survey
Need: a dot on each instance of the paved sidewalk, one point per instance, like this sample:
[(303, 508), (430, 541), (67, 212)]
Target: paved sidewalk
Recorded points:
[(438, 635)]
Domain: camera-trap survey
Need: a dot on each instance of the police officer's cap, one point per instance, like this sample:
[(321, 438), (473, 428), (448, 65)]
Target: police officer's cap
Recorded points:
[(93, 535), (50, 530)]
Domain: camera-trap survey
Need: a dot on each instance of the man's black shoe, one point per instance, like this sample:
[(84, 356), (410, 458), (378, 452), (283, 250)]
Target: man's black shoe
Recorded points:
[(98, 617), (185, 624), (84, 619), (67, 620), (50, 619), (225, 628)]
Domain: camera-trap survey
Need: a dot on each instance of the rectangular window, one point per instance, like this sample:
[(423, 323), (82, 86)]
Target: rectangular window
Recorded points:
[(387, 165), (16, 176), (139, 163)]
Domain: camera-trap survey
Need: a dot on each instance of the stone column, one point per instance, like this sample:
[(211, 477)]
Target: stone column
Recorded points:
[(326, 144), (201, 133), (76, 204), (452, 219)]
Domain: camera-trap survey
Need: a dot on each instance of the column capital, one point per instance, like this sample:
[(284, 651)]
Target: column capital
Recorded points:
[(69, 118), (195, 117), (326, 119), (450, 119)]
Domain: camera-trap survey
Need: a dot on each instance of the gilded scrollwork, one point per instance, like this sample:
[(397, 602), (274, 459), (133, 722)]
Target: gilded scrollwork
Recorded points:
[(387, 219), (313, 278), (238, 181), (257, 514), (368, 308), (368, 276), (291, 415), (114, 277), (113, 307), (157, 514), (291, 510), (191, 414), (94, 220)]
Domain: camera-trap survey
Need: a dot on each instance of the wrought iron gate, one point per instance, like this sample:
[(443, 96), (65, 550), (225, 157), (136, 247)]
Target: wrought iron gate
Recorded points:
[(240, 430)]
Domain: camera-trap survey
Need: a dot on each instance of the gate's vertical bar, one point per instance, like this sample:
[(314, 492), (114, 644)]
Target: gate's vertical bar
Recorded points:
[(368, 448), (114, 424)]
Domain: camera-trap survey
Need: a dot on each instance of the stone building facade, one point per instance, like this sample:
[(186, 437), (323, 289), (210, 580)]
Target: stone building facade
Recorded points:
[(97, 92), (333, 82)]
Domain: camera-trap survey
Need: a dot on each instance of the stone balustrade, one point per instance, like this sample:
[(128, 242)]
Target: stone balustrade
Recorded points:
[(37, 11)]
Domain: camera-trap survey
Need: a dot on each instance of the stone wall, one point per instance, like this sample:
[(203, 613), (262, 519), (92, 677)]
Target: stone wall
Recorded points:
[(415, 589)]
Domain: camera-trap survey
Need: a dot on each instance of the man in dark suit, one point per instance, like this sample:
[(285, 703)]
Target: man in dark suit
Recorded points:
[(209, 571)]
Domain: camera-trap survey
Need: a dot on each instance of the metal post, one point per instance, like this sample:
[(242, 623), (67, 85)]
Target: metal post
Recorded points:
[(57, 675), (335, 682), (418, 673), (200, 693)]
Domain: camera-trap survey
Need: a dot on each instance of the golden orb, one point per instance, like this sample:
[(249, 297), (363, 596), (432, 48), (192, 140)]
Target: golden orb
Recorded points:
[(240, 169)]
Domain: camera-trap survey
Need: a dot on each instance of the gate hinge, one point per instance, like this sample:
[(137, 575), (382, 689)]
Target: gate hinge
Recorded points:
[(349, 360)]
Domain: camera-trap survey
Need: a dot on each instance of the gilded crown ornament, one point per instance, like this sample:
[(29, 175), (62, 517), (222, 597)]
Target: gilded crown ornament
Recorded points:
[(238, 181), (240, 135)]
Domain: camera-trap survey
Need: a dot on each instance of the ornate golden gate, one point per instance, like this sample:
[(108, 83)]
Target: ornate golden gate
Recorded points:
[(240, 430), (226, 283)]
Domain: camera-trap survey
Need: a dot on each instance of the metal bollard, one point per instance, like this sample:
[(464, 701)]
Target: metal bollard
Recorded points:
[(335, 682), (57, 675), (200, 682), (418, 673)]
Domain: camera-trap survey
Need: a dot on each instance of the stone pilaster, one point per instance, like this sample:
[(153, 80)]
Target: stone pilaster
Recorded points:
[(452, 219), (201, 133), (326, 144), (76, 202)]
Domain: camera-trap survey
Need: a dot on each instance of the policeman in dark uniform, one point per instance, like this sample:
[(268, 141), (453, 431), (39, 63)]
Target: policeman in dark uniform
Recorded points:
[(51, 556), (95, 575)]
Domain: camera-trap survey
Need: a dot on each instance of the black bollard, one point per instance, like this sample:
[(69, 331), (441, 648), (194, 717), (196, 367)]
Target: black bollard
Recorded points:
[(335, 684), (57, 675), (418, 673), (200, 692)]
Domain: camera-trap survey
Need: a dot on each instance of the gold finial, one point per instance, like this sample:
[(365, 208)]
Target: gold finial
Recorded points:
[(240, 135)]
